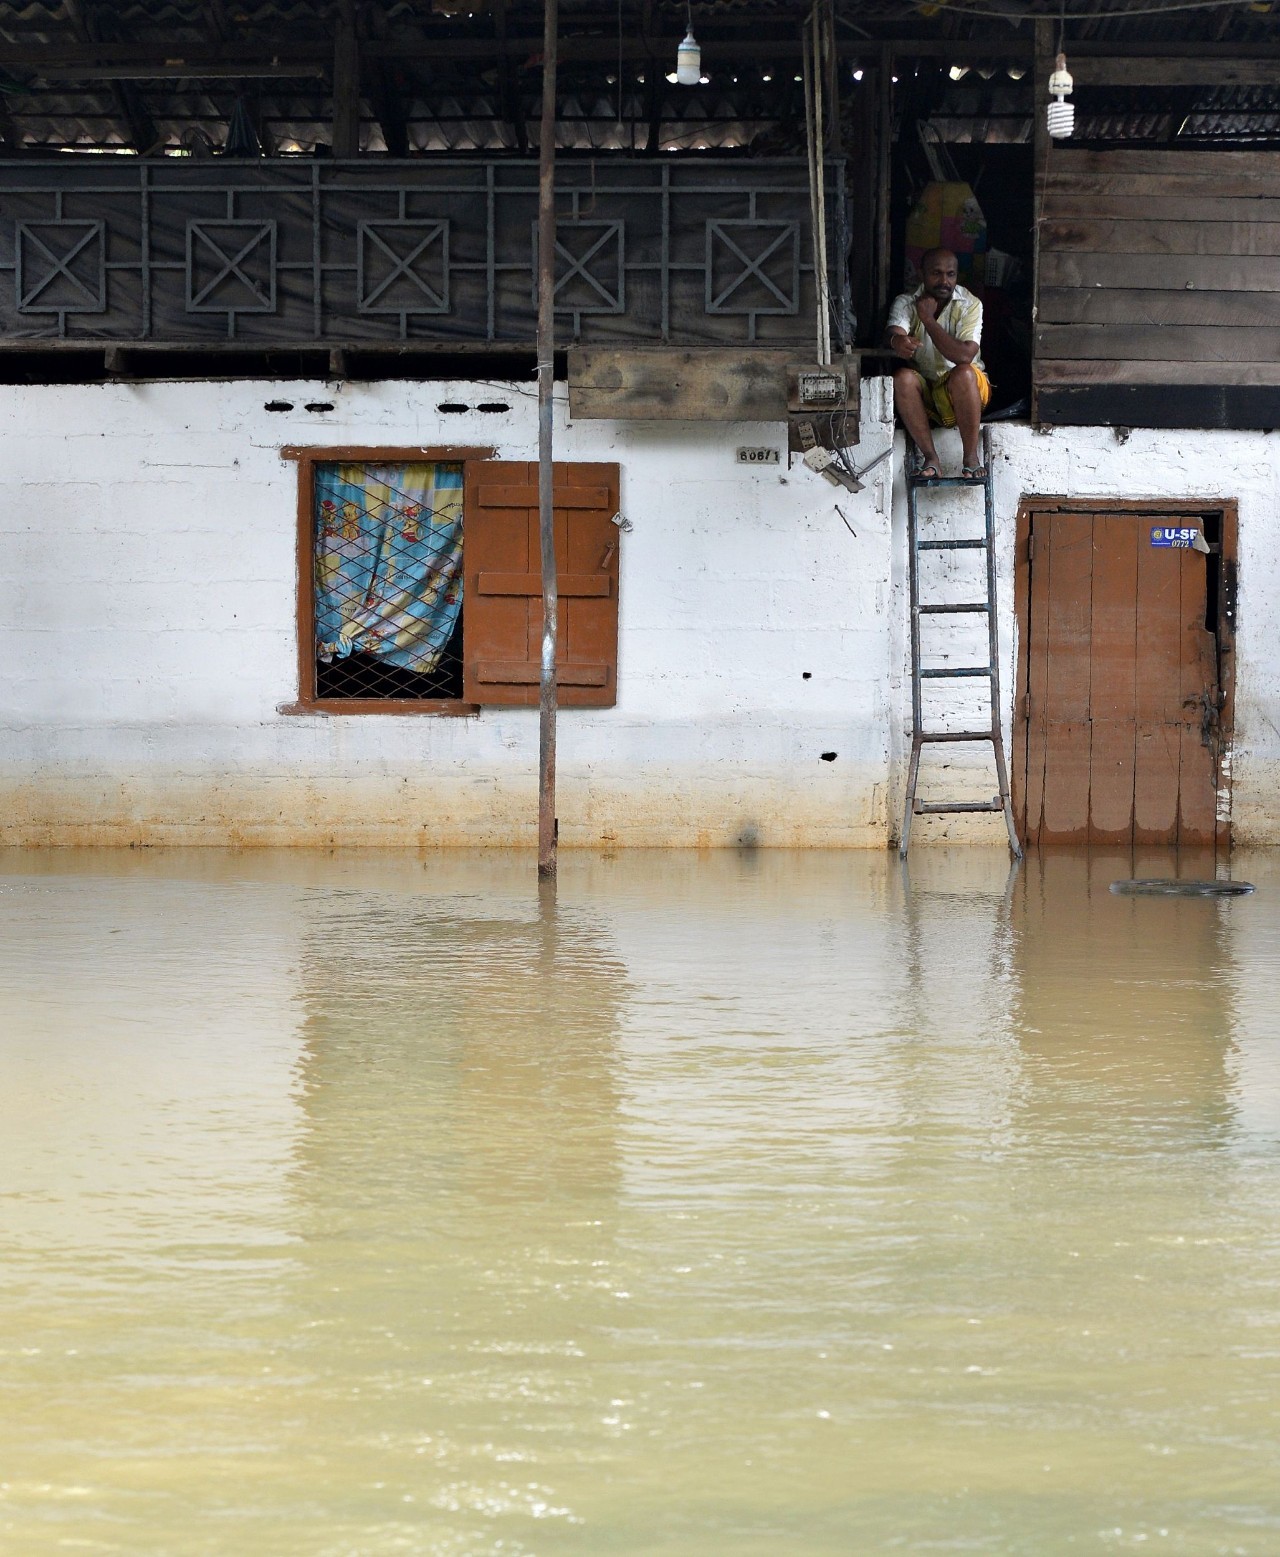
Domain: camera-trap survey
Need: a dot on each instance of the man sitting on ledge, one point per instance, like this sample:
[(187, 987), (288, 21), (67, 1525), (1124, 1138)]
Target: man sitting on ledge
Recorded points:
[(936, 330)]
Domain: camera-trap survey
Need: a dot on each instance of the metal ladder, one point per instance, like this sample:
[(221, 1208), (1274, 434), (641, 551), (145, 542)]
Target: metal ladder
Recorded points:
[(920, 737)]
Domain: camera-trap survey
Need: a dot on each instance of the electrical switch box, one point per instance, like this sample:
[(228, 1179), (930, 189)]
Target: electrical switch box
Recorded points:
[(816, 387)]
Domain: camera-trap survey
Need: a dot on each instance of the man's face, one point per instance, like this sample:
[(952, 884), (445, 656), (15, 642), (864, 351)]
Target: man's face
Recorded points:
[(940, 276)]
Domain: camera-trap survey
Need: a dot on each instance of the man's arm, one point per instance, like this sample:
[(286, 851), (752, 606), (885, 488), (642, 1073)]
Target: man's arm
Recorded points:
[(958, 352), (900, 343), (898, 335)]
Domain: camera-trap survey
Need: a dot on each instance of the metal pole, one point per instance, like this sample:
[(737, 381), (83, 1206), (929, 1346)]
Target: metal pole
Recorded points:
[(546, 510)]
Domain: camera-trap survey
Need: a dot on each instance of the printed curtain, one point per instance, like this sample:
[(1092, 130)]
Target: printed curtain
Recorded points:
[(388, 561)]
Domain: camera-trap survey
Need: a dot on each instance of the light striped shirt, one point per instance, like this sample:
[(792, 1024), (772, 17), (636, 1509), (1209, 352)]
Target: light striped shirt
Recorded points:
[(962, 317)]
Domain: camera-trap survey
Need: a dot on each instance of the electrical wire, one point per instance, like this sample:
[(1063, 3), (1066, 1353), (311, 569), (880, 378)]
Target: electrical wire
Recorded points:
[(820, 198), (812, 37)]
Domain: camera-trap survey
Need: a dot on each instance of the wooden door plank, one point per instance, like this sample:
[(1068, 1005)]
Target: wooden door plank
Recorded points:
[(1067, 738), (1159, 626), (1112, 671), (1174, 273), (1066, 371), (1177, 186), (1070, 616), (1157, 758), (1159, 343), (1158, 672), (1113, 616), (1149, 162), (1131, 235), (1041, 561), (1066, 782), (1197, 795), (1139, 306), (1160, 686), (1112, 757), (1197, 775), (1060, 207)]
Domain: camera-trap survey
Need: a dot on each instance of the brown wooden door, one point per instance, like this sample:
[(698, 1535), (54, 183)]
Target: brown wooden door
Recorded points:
[(502, 589), (1121, 722)]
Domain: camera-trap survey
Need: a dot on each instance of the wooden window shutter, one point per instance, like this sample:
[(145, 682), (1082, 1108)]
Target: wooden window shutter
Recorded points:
[(502, 588)]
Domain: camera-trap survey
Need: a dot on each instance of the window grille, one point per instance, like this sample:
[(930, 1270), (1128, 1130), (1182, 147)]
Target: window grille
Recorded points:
[(388, 580)]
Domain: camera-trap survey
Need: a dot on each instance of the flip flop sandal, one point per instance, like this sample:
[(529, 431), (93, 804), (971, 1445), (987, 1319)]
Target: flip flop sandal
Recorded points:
[(973, 473), (929, 471)]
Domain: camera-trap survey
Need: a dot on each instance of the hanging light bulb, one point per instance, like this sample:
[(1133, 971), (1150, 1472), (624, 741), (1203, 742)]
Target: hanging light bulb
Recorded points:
[(1062, 115), (689, 59)]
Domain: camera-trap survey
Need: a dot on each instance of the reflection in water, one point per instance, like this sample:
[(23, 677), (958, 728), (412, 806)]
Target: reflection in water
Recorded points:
[(747, 1204)]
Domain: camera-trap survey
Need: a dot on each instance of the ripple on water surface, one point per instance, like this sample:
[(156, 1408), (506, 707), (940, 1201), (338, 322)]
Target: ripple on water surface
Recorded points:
[(719, 1205)]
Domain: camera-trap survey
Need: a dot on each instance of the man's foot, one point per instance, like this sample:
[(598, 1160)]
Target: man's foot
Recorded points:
[(930, 470), (976, 472)]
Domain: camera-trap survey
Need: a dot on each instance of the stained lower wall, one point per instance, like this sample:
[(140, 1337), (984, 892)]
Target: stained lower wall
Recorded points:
[(147, 637)]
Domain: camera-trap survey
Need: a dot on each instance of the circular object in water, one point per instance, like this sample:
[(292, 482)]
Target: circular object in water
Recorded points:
[(1167, 887)]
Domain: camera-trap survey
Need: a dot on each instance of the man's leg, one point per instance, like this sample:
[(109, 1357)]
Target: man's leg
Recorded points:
[(966, 400), (908, 401)]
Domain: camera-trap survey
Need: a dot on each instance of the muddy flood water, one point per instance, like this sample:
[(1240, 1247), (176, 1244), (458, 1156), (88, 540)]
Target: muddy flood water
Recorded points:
[(734, 1205)]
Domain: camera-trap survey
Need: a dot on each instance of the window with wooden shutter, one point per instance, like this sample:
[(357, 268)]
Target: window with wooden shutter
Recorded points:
[(502, 586)]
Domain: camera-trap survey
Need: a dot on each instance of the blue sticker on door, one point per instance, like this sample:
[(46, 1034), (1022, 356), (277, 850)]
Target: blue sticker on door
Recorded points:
[(1183, 537)]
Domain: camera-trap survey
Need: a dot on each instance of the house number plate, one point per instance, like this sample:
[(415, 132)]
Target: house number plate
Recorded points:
[(750, 456)]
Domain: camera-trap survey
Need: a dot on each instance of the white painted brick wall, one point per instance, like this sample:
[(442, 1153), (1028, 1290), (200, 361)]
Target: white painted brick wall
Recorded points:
[(147, 636), (147, 628)]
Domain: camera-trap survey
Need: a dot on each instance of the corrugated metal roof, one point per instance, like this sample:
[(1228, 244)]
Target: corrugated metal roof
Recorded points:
[(456, 104), (999, 111)]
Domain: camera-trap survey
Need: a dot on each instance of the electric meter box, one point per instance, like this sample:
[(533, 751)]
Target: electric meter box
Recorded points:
[(823, 404), (811, 386)]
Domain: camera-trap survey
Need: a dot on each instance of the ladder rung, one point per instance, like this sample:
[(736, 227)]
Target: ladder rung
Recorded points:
[(960, 670), (948, 481), (951, 610), (932, 808), (978, 545), (957, 735)]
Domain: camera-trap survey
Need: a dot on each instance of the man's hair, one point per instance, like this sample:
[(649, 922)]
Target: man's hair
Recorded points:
[(933, 254)]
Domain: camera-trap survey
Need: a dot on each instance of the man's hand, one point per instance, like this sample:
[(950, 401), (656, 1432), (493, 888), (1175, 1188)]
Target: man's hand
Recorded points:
[(903, 345), (952, 348)]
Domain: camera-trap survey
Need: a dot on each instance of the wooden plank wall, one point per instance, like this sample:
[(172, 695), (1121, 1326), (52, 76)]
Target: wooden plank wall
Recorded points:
[(1159, 289)]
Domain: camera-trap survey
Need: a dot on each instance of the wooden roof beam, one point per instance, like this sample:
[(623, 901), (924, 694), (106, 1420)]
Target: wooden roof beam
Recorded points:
[(10, 134), (1098, 70), (142, 132), (382, 81), (286, 57), (388, 107), (512, 111), (346, 84)]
